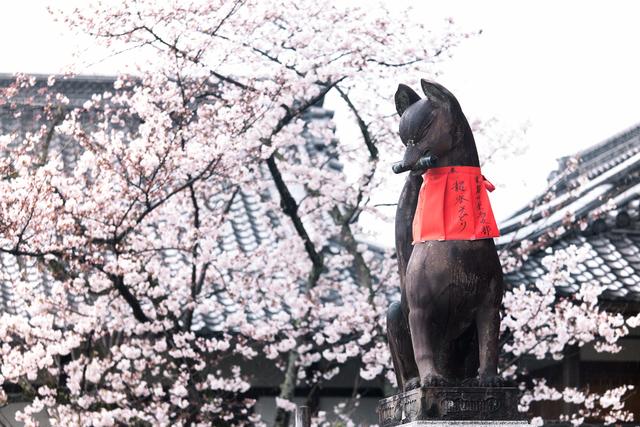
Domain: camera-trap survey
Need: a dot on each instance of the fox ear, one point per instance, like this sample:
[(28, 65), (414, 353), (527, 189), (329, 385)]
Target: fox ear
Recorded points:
[(436, 93), (405, 97)]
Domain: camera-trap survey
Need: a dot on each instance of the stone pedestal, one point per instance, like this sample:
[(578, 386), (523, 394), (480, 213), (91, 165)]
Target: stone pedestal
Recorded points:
[(468, 423), (452, 406)]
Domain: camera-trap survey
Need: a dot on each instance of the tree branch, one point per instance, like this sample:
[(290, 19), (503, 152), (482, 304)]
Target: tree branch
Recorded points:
[(373, 156), (155, 205), (292, 113), (123, 290), (290, 208), (364, 128), (360, 268)]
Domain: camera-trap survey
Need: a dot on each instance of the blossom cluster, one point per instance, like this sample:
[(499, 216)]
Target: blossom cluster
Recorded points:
[(539, 323)]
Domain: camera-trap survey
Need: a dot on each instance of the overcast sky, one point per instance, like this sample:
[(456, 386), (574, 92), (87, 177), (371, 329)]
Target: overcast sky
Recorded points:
[(570, 69)]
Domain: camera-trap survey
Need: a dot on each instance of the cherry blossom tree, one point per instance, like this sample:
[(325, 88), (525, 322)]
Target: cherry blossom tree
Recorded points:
[(541, 323), (128, 247), (126, 231), (537, 322)]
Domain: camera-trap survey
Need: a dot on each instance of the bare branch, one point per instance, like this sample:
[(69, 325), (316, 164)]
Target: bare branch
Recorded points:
[(290, 208)]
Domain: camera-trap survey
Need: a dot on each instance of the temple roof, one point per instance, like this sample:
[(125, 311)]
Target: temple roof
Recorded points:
[(592, 202), (78, 89)]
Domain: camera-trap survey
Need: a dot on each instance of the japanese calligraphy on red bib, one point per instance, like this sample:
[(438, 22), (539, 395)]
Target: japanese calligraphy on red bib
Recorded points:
[(453, 204)]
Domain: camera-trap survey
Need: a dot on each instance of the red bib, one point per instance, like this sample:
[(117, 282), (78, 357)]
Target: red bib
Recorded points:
[(453, 204)]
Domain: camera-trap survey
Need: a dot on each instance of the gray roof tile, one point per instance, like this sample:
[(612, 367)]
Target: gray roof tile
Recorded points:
[(613, 238)]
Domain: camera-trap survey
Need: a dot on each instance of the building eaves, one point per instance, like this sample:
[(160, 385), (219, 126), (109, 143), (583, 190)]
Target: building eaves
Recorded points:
[(596, 208)]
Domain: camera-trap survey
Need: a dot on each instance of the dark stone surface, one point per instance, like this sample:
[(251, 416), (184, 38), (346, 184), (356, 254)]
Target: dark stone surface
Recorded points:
[(445, 330), (450, 403)]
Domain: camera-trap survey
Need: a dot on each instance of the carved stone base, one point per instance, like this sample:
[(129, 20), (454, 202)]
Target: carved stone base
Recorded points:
[(450, 403), (468, 423)]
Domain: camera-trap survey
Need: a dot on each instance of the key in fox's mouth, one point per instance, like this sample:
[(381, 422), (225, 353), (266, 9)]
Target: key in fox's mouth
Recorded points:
[(425, 162)]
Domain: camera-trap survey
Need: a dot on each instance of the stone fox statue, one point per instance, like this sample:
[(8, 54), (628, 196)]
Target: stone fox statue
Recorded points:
[(445, 329)]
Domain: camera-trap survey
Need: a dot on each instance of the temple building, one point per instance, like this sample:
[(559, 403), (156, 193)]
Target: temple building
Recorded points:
[(592, 202)]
